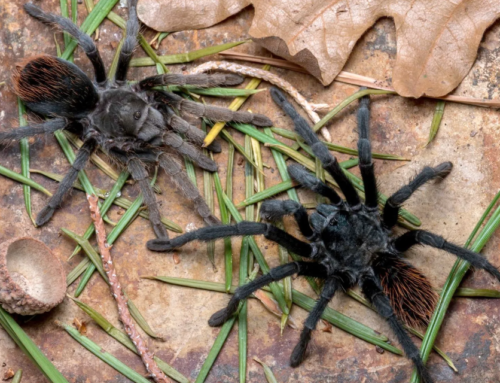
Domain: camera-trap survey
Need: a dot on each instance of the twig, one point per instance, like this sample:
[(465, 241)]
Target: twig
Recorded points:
[(269, 77), (354, 79), (121, 301)]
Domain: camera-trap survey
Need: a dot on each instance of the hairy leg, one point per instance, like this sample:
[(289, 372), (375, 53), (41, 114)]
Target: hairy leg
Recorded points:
[(423, 237), (373, 291), (83, 39), (303, 177), (391, 208), (49, 126), (365, 155), (212, 112), (276, 274), (66, 184), (272, 210), (329, 162), (129, 43), (198, 80), (189, 131), (182, 147), (299, 352), (186, 187), (138, 172), (240, 229)]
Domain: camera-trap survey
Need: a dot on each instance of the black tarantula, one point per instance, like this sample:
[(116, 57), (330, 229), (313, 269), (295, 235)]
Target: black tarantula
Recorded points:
[(350, 242), (135, 124)]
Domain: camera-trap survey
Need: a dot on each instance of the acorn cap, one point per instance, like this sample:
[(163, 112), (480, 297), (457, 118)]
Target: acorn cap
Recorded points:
[(32, 279)]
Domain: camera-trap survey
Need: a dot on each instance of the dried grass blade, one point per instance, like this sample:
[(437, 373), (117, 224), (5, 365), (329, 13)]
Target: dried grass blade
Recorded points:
[(208, 192), (141, 321), (185, 57)]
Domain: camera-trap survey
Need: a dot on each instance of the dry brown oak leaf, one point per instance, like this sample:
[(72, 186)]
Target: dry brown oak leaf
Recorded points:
[(437, 40)]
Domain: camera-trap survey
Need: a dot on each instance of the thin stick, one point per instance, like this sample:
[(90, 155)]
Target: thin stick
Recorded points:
[(121, 301), (269, 77), (356, 79)]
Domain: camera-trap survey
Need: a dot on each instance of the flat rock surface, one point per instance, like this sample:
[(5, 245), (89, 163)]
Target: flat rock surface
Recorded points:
[(468, 137)]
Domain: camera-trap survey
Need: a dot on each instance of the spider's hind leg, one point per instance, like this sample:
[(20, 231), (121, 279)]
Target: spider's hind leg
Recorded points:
[(276, 274), (374, 293), (17, 134), (299, 352), (198, 80), (182, 147), (83, 39)]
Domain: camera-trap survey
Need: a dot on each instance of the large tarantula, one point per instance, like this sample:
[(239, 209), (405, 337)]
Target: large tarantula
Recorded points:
[(350, 243), (134, 124)]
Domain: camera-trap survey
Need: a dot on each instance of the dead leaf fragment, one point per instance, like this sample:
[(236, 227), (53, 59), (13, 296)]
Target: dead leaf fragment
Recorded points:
[(9, 374), (437, 40)]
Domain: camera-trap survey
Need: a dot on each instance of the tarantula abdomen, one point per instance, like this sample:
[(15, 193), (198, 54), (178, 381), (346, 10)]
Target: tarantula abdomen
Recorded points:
[(51, 86)]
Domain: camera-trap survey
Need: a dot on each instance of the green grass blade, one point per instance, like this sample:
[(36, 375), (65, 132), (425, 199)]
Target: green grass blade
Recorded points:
[(455, 278), (105, 356), (30, 348), (243, 315), (345, 103), (22, 179), (87, 274), (436, 121), (337, 148), (141, 321), (214, 351), (185, 57), (77, 271), (17, 376), (208, 192), (25, 161)]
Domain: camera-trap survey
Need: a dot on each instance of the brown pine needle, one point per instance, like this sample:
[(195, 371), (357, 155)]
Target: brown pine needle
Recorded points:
[(121, 301)]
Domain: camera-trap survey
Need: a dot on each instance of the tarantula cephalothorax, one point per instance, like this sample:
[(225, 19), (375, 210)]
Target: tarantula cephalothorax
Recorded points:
[(134, 124), (350, 243)]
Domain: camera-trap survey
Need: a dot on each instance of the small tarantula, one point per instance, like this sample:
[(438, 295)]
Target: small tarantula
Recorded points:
[(350, 243), (135, 124)]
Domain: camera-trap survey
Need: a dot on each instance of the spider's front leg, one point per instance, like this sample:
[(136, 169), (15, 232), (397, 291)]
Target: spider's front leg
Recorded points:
[(197, 80), (129, 44), (82, 157), (212, 112), (272, 210), (373, 291), (240, 229), (301, 268)]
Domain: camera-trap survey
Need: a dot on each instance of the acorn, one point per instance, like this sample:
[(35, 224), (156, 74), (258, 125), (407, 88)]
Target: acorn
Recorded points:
[(32, 279)]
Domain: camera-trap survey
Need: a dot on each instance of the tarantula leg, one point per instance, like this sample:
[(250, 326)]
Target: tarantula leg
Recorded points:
[(211, 112), (411, 238), (240, 229), (139, 173), (306, 179), (197, 80), (365, 154), (83, 39), (301, 268), (272, 210), (373, 291), (185, 186), (299, 352), (190, 132), (179, 145), (49, 126), (391, 208), (329, 162), (129, 43), (66, 184)]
